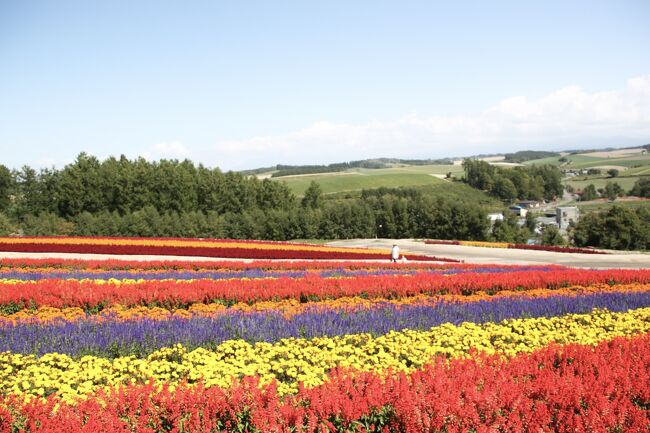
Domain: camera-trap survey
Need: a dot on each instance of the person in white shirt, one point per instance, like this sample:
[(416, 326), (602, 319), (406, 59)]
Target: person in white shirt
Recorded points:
[(394, 253)]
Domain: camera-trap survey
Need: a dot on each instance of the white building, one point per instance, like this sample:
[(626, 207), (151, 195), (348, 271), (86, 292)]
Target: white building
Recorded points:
[(565, 215)]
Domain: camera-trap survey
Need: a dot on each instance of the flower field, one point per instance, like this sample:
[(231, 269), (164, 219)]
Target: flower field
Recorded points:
[(224, 248), (321, 346)]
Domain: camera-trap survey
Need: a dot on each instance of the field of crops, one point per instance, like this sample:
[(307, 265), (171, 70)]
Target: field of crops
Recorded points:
[(344, 346)]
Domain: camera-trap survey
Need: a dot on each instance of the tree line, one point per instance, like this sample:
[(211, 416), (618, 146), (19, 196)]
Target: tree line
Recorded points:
[(618, 228), (535, 182), (612, 190), (122, 197)]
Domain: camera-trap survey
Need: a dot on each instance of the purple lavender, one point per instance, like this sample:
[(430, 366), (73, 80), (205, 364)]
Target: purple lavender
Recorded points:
[(113, 338)]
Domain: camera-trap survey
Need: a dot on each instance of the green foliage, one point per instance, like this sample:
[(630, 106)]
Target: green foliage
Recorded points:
[(530, 222), (313, 196), (552, 236), (46, 224), (612, 172), (6, 228), (618, 228), (589, 193), (6, 187), (307, 169), (122, 197), (529, 155), (529, 183), (125, 186), (504, 189), (508, 230), (641, 188), (612, 190)]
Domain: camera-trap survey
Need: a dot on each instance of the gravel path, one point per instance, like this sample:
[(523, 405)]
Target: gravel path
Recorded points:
[(631, 260)]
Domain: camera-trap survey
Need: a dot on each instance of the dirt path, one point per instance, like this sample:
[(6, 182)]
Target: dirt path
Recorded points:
[(632, 260)]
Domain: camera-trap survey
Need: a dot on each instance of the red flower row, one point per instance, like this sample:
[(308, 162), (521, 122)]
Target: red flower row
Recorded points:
[(118, 264), (90, 294), (559, 389), (195, 251)]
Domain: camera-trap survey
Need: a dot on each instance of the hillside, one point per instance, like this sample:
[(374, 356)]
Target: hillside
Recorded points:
[(358, 179)]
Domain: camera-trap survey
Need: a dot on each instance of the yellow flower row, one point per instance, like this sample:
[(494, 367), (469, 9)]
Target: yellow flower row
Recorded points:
[(183, 243), (291, 361), (290, 307)]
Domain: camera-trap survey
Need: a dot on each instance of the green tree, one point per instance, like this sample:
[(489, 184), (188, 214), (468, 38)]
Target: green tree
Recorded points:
[(612, 172), (641, 187), (313, 196), (618, 228), (531, 222), (46, 224), (612, 190), (508, 230), (6, 228), (589, 193), (6, 187), (504, 189), (552, 236)]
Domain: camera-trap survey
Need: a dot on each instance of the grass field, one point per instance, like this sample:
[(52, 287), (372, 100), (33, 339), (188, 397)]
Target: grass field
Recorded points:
[(358, 179), (428, 178), (584, 161), (580, 182), (637, 166), (597, 206)]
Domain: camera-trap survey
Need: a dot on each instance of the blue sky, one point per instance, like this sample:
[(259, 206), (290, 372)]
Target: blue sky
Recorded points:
[(247, 84)]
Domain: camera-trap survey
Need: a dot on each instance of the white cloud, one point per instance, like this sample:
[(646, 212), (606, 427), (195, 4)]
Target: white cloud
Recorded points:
[(172, 150), (568, 117)]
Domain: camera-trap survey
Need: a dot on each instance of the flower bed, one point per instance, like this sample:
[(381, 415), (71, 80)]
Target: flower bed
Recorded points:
[(321, 346), (94, 295), (191, 247)]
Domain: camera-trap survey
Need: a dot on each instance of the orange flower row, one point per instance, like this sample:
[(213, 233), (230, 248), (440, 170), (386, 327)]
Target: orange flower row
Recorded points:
[(188, 243), (290, 307)]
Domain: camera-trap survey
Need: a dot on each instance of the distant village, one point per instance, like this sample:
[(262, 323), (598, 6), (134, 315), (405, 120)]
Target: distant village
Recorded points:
[(561, 217)]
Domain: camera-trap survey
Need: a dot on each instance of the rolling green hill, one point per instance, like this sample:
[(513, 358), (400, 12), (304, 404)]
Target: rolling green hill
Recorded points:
[(359, 179), (631, 167), (626, 182)]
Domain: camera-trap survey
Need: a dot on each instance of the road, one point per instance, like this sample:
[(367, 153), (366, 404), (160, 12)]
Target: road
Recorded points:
[(629, 260)]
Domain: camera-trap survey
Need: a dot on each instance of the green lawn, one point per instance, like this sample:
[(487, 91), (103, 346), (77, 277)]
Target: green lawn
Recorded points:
[(358, 179)]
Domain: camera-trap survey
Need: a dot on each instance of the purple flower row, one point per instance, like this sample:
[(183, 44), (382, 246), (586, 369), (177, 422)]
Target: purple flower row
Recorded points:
[(250, 273), (113, 338)]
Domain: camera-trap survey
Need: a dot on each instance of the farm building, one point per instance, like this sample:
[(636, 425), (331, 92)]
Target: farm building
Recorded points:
[(565, 215), (518, 210)]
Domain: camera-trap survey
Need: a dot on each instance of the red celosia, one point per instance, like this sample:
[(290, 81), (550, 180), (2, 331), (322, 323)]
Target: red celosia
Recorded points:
[(557, 389), (89, 294)]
